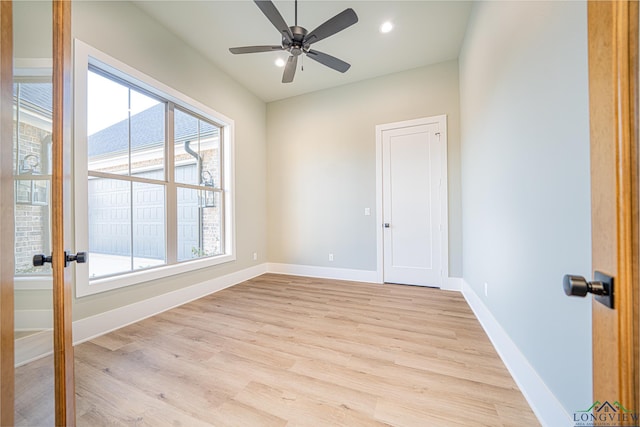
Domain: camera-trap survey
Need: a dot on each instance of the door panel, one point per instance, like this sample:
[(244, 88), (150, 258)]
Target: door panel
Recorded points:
[(33, 117), (412, 179)]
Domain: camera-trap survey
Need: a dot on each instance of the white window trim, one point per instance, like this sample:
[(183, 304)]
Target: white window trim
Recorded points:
[(85, 55)]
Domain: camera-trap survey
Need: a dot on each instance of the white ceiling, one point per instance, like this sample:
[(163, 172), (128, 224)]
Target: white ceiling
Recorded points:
[(425, 32)]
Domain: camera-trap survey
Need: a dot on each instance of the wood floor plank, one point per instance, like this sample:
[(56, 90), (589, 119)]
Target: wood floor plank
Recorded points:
[(295, 351)]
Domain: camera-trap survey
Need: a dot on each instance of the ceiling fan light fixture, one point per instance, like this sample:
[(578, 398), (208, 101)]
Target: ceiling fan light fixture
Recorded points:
[(386, 27), (297, 40)]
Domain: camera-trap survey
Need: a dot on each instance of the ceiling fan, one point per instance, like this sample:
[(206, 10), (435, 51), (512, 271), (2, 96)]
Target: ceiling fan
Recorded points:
[(297, 40)]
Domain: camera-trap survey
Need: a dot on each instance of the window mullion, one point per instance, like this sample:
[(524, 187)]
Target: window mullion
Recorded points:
[(223, 193), (131, 237), (221, 157), (17, 130), (200, 196), (171, 192)]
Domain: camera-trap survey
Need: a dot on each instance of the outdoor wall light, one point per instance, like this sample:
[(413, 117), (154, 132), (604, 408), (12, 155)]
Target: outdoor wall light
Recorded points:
[(30, 164), (209, 196)]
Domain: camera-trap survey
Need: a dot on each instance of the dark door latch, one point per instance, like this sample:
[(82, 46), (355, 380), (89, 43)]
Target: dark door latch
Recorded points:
[(601, 287), (80, 257)]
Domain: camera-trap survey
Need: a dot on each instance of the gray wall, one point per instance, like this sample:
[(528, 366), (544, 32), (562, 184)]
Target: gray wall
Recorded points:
[(123, 31), (525, 181), (322, 171), (32, 29)]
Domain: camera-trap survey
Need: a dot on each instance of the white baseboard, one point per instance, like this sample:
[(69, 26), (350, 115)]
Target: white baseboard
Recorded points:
[(33, 347), (370, 276), (100, 324), (39, 343), (323, 272), (543, 402)]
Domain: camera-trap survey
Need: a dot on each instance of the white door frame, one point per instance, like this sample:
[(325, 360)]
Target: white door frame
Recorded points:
[(444, 245)]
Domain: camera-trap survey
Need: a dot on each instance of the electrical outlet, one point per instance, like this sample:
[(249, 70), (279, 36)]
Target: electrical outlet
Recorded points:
[(367, 211), (486, 289), (330, 257), (255, 256)]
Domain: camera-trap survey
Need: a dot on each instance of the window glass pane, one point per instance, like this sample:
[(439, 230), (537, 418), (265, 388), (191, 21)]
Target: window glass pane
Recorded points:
[(210, 152), (185, 128), (147, 134), (211, 222), (109, 219), (32, 168), (199, 223), (148, 225), (32, 225), (32, 128), (107, 124), (197, 143)]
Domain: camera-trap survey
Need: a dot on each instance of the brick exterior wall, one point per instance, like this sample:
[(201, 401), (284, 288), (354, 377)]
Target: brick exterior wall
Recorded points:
[(31, 221)]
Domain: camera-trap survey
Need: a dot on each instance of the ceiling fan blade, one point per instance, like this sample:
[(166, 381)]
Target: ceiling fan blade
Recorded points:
[(344, 19), (329, 61), (290, 69), (254, 49), (272, 14)]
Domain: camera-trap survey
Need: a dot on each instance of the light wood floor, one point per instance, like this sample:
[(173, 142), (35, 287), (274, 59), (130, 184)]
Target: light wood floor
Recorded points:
[(284, 350)]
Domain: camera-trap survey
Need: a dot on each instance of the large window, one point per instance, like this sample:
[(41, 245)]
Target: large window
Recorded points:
[(155, 167)]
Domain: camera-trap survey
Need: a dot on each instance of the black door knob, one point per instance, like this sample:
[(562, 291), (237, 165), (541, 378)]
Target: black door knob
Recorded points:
[(579, 286), (80, 257), (40, 259), (601, 287)]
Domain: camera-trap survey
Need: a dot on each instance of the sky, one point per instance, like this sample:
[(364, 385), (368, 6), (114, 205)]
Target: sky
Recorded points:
[(109, 102)]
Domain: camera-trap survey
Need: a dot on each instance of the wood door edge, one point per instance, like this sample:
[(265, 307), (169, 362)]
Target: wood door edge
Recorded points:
[(7, 358), (627, 199), (634, 311), (613, 34), (64, 380)]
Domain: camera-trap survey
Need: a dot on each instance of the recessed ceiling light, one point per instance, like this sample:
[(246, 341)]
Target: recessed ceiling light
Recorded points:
[(386, 27), (280, 62)]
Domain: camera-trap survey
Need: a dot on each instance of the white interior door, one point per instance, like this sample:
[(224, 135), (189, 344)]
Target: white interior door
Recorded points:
[(413, 188)]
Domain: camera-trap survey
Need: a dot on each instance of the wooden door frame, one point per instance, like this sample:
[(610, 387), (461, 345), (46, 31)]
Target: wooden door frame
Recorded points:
[(444, 245), (7, 231), (60, 206), (613, 93)]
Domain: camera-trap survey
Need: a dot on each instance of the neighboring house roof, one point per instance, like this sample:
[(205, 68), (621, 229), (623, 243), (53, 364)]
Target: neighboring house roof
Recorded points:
[(147, 130), (147, 127), (37, 96)]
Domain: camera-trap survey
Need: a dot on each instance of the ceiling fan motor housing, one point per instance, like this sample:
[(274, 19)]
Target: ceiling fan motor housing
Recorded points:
[(296, 47), (298, 33)]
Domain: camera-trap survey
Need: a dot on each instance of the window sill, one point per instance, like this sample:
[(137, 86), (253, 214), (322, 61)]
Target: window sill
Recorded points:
[(95, 286)]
